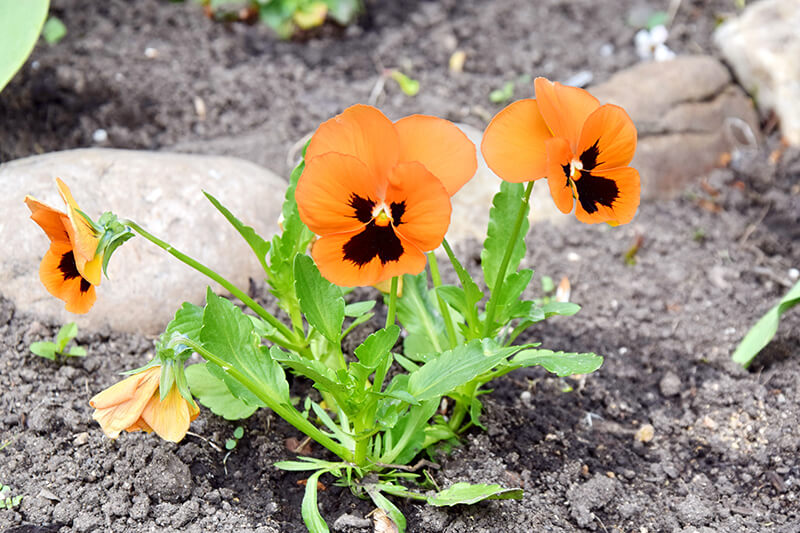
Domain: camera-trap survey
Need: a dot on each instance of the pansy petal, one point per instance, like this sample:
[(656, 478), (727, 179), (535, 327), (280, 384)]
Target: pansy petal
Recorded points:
[(608, 139), (169, 417), (513, 143), (608, 196), (329, 254), (363, 132), (81, 233), (113, 412), (335, 193), (59, 275), (559, 157), (52, 221), (564, 108), (439, 145), (420, 205)]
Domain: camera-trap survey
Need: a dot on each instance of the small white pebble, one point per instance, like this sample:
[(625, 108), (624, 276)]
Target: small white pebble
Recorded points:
[(580, 79), (525, 396), (794, 274), (572, 256), (645, 433), (119, 76), (614, 304), (100, 136), (729, 331), (200, 107), (623, 350), (35, 65), (150, 53), (607, 50)]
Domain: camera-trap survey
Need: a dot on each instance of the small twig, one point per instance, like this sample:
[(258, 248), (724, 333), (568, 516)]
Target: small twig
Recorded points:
[(752, 227), (766, 272), (208, 441)]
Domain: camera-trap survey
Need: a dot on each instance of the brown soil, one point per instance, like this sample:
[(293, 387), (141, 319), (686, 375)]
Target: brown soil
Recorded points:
[(725, 446)]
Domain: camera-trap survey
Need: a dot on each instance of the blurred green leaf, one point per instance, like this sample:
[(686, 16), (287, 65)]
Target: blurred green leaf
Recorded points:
[(407, 85), (763, 331), (44, 349), (54, 30), (20, 25), (502, 95)]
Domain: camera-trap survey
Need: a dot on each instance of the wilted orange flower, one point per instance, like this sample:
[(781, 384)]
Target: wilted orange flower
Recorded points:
[(71, 267), (582, 147), (378, 194), (134, 404)]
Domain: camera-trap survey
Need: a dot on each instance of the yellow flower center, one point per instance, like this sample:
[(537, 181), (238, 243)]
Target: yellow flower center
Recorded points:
[(381, 215), (575, 166)]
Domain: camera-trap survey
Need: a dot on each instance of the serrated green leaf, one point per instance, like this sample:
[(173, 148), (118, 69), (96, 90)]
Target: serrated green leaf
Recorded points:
[(762, 332), (309, 509), (321, 301), (377, 346), (559, 363), (455, 367), (472, 293), (468, 494), (44, 349), (323, 377), (502, 218), (259, 246), (187, 323), (20, 24), (215, 394), (230, 335)]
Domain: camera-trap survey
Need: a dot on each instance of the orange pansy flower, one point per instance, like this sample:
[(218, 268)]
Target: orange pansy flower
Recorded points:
[(581, 147), (378, 193), (71, 267), (134, 404)]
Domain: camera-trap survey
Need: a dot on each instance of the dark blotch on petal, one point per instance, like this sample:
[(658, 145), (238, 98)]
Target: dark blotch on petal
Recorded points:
[(593, 190), (398, 210), (373, 241), (85, 285), (567, 170), (589, 156), (67, 266), (363, 207)]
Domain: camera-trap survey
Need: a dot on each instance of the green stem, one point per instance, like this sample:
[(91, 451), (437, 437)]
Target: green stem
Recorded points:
[(230, 287), (491, 307), (462, 407), (443, 307), (392, 303), (472, 312), (284, 410)]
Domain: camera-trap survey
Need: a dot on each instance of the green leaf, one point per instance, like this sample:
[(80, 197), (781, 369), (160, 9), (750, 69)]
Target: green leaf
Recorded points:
[(407, 85), (67, 332), (238, 433), (303, 464), (259, 246), (502, 217), (357, 309), (343, 11), (560, 308), (54, 30), (658, 18), (323, 377), (214, 394), (44, 349), (77, 351), (388, 507), (313, 520), (472, 293), (20, 24), (229, 334), (186, 324), (502, 95), (467, 494), (321, 301), (559, 363), (230, 444), (417, 313), (548, 285), (377, 346), (455, 367), (763, 331)]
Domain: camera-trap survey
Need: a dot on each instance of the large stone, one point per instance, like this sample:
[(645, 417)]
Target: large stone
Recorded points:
[(161, 192), (762, 46), (688, 114)]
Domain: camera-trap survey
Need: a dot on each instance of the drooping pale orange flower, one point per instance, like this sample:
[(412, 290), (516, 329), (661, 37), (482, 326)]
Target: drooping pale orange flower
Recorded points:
[(378, 193), (581, 147), (135, 404), (71, 267)]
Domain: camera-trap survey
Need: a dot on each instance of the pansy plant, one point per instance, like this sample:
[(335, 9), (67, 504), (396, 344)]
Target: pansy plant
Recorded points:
[(368, 205)]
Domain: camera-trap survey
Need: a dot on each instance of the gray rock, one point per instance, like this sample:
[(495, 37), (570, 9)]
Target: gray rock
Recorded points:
[(688, 114), (593, 494), (694, 510), (762, 46), (347, 521), (161, 192), (670, 384), (166, 477)]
